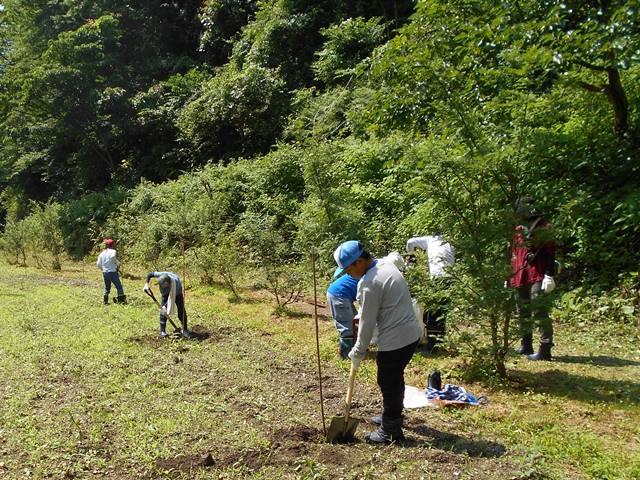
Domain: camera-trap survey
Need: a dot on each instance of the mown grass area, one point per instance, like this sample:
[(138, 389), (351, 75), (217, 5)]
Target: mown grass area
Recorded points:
[(88, 391)]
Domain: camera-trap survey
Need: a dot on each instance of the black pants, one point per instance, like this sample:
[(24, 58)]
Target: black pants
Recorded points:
[(435, 317), (182, 313), (533, 309), (391, 365), (434, 320)]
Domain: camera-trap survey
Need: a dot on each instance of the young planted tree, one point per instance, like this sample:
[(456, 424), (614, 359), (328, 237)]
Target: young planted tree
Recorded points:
[(273, 257), (220, 258)]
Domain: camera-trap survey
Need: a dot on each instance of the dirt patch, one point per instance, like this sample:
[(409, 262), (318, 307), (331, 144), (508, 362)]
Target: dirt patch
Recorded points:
[(298, 433), (199, 333), (184, 463)]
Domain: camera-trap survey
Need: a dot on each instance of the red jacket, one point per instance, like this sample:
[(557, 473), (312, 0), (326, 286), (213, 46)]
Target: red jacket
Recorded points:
[(532, 254)]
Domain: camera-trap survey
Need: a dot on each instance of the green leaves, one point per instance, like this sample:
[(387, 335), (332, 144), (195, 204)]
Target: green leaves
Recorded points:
[(237, 113)]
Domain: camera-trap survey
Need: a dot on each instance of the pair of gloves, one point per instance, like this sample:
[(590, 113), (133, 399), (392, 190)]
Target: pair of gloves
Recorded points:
[(548, 284)]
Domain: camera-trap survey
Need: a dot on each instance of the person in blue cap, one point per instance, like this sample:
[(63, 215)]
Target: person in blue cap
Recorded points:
[(340, 297), (385, 303)]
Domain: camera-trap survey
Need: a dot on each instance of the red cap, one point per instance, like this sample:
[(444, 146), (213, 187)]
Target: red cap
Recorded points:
[(109, 242)]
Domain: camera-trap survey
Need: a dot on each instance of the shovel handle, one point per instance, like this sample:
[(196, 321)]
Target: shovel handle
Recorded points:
[(347, 403), (150, 293)]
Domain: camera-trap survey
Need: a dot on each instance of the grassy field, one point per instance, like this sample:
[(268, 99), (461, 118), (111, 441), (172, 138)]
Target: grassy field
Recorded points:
[(88, 391)]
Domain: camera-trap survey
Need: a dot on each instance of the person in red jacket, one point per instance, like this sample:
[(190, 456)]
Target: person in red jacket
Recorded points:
[(533, 267)]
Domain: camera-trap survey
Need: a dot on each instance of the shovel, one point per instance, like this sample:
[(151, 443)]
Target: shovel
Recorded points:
[(342, 427), (175, 327)]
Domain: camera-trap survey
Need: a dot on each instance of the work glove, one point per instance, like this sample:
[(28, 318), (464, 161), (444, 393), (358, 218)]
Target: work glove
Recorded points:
[(146, 288), (548, 284), (355, 361), (163, 311)]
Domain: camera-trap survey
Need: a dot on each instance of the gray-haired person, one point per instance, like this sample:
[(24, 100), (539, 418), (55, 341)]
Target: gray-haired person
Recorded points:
[(172, 302)]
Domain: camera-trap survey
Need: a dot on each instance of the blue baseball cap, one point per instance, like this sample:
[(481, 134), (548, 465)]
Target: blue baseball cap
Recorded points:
[(346, 254)]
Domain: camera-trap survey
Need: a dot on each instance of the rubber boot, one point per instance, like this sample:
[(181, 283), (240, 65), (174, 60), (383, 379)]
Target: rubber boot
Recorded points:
[(121, 299), (377, 420), (105, 299), (544, 352), (389, 432), (526, 345), (435, 380)]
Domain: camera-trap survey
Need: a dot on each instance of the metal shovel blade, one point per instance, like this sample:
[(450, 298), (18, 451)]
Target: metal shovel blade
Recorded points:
[(339, 431)]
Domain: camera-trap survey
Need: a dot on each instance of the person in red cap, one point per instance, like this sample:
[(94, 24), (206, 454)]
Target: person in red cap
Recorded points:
[(108, 263)]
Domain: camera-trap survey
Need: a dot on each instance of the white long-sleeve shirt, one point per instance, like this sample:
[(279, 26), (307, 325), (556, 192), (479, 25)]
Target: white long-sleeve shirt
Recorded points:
[(107, 261), (441, 254), (385, 302)]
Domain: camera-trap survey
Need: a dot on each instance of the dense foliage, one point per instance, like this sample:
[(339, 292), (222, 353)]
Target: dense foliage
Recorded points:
[(283, 124)]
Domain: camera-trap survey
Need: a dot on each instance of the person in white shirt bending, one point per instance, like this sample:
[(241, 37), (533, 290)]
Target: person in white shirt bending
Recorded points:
[(108, 263), (441, 255)]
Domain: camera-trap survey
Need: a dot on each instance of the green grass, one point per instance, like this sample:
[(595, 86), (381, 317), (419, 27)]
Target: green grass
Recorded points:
[(88, 392)]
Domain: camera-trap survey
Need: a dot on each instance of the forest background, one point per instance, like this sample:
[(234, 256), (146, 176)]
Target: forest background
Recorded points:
[(236, 136)]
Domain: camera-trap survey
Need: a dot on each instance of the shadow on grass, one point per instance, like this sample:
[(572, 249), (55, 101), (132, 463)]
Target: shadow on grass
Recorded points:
[(454, 443), (243, 300), (579, 387), (598, 360)]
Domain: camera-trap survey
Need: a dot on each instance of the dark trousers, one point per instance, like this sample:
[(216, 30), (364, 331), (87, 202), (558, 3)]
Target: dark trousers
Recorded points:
[(434, 320), (435, 317), (533, 310), (391, 365), (182, 313), (109, 278)]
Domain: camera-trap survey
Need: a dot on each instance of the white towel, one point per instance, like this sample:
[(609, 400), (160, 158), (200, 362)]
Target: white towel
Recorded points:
[(171, 301)]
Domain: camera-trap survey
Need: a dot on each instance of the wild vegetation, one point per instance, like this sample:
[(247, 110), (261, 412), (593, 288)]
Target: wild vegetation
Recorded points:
[(241, 133)]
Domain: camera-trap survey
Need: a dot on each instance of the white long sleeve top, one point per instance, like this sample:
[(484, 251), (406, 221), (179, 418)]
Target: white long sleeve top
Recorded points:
[(441, 254), (107, 261), (385, 302)]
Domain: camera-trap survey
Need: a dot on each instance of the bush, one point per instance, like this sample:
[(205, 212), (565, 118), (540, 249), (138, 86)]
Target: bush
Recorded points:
[(219, 259), (237, 113), (82, 219), (38, 235), (272, 257), (14, 242), (347, 44)]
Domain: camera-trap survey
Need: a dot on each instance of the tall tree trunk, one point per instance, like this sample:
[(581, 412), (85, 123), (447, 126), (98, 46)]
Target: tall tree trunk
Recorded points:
[(618, 98)]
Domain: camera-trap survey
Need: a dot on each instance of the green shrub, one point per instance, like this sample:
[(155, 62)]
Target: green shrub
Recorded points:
[(237, 113), (347, 44), (220, 259), (14, 242), (37, 236), (272, 257)]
